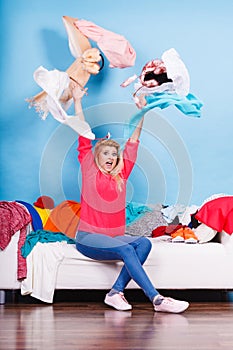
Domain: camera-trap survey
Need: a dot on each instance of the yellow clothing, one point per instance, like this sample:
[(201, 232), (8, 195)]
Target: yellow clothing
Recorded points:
[(44, 214)]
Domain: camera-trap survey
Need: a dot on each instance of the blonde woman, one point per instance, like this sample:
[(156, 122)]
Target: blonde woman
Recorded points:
[(101, 231)]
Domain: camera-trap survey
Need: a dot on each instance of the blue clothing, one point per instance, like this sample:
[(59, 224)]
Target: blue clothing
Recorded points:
[(189, 105), (43, 236), (36, 219), (132, 251), (134, 211)]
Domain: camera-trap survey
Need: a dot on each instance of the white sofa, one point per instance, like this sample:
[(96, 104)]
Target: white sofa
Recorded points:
[(169, 265)]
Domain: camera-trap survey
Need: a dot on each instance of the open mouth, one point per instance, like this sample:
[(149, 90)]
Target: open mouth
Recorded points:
[(108, 165)]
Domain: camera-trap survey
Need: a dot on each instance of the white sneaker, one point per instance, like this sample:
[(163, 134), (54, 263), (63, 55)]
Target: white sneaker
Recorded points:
[(118, 301), (191, 240), (178, 239), (171, 305)]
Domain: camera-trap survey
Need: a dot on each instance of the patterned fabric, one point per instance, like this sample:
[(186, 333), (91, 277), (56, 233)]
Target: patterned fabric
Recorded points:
[(14, 216), (151, 73), (147, 223)]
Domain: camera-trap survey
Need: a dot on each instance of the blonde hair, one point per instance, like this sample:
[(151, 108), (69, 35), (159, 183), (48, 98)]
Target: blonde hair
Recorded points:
[(119, 165)]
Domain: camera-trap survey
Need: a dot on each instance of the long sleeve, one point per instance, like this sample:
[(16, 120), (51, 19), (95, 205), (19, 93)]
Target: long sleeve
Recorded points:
[(84, 148), (129, 156)]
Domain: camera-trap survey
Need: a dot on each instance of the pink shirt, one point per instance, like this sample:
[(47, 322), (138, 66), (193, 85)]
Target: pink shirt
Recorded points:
[(102, 203)]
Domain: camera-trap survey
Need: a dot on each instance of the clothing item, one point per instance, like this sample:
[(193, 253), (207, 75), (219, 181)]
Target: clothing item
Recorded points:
[(102, 203), (184, 234), (165, 230), (64, 218), (117, 301), (44, 215), (176, 71), (132, 251), (54, 83), (172, 211), (177, 239), (185, 218), (42, 263), (213, 196), (171, 305), (167, 74), (44, 237), (134, 211), (190, 105), (217, 214), (147, 222), (36, 219), (14, 217), (116, 48), (179, 233), (44, 202), (154, 73), (194, 223), (204, 233)]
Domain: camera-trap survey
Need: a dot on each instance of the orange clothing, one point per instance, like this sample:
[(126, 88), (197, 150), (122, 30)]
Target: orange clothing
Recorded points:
[(64, 218)]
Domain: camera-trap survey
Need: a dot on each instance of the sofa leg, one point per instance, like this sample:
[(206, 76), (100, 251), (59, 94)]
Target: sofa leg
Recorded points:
[(14, 296), (2, 296)]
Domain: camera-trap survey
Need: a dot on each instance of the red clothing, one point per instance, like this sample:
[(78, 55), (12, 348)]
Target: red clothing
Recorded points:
[(13, 217), (217, 214), (102, 203)]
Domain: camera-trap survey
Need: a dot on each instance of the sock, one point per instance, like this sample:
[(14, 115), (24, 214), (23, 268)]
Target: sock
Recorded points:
[(112, 292), (158, 299)]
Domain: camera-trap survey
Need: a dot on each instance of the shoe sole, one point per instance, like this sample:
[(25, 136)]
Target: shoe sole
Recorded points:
[(191, 241), (174, 312)]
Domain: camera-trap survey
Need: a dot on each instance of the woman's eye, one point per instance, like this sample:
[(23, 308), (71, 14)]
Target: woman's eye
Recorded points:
[(105, 153), (114, 154)]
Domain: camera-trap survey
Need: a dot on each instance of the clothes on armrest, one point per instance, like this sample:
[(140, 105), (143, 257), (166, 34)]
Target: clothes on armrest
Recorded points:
[(14, 217), (43, 236)]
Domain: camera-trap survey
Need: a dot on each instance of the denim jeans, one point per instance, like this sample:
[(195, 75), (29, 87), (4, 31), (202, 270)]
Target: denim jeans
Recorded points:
[(133, 251)]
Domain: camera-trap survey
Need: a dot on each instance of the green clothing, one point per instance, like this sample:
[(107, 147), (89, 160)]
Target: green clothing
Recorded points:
[(43, 236)]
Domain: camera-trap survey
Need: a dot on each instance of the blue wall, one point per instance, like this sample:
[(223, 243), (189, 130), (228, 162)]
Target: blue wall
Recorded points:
[(182, 159)]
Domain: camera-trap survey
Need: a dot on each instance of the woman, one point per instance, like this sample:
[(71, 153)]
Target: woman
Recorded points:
[(101, 229)]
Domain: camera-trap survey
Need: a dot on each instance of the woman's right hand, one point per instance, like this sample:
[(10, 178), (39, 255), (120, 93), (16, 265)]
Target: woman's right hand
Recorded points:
[(77, 91)]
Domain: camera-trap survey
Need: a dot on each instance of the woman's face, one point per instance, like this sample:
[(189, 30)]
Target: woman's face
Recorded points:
[(107, 158)]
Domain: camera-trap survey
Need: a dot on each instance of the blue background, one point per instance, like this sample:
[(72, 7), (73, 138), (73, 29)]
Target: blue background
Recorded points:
[(182, 159)]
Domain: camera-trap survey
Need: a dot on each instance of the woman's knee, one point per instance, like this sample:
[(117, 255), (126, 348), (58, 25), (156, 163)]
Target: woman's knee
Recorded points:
[(126, 250), (145, 243)]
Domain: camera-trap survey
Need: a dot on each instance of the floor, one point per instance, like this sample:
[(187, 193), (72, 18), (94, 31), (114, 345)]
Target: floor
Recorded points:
[(93, 325)]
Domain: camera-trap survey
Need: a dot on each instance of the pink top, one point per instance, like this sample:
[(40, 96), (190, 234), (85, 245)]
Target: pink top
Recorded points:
[(116, 48), (102, 203)]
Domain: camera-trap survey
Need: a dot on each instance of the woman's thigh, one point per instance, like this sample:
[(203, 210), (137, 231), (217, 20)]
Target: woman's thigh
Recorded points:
[(99, 246), (102, 247)]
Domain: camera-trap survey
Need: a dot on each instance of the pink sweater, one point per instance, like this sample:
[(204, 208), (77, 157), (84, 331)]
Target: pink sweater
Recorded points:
[(102, 203)]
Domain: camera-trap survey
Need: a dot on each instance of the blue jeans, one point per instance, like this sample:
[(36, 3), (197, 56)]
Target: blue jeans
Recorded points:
[(133, 251)]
